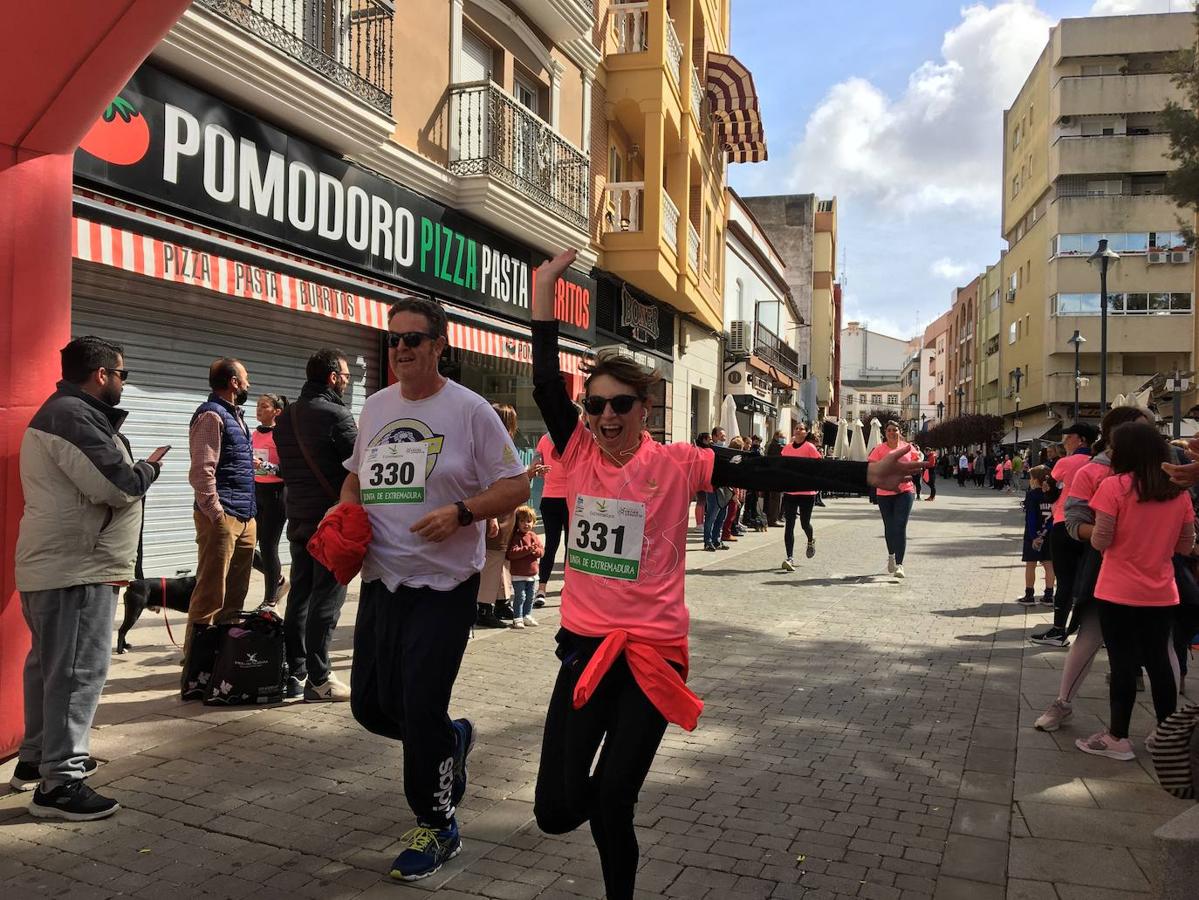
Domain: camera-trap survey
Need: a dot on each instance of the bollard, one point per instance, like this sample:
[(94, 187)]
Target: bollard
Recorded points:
[(1178, 853)]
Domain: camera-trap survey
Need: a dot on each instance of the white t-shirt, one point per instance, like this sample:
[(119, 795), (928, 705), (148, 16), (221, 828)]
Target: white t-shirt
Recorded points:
[(413, 456)]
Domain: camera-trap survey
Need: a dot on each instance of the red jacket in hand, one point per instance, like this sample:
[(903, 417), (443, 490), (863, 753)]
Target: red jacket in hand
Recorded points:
[(341, 540), (523, 553)]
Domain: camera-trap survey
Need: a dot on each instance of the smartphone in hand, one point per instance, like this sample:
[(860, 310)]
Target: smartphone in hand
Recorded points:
[(158, 454)]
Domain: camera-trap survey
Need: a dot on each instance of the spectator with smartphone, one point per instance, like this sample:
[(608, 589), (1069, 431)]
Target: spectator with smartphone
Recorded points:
[(222, 477), (70, 567)]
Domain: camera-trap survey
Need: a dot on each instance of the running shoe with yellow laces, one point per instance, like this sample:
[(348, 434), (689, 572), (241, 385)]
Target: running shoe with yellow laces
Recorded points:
[(428, 850)]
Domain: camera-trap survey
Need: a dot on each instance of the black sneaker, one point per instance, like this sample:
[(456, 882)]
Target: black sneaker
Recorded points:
[(811, 549), (1029, 599), (1041, 632), (539, 600), (26, 775), (466, 735), (1047, 598), (1054, 637), (490, 620), (295, 687), (722, 546), (73, 801)]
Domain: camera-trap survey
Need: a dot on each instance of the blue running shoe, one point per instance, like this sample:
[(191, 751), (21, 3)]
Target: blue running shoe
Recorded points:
[(428, 850), (465, 731)]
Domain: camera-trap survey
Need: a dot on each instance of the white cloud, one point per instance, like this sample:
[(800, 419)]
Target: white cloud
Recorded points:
[(938, 144), (949, 270)]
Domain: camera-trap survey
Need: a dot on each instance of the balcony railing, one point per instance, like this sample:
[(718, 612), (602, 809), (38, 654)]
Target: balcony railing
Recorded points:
[(350, 42), (494, 135), (697, 95), (674, 50), (772, 350), (630, 26), (670, 222), (692, 248), (624, 206)]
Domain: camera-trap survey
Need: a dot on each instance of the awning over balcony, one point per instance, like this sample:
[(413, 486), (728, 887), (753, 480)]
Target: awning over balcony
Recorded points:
[(735, 109)]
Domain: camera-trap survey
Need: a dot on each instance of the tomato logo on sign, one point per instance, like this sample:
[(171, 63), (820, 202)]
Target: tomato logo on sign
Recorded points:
[(120, 136)]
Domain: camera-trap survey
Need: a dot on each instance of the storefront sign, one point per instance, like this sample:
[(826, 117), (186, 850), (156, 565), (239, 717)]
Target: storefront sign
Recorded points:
[(178, 147), (640, 318)]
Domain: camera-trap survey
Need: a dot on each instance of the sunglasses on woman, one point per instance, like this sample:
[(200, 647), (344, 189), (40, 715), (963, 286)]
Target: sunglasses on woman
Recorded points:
[(621, 404), (411, 339)]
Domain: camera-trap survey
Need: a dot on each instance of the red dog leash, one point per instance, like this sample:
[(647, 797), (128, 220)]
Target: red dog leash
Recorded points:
[(165, 620)]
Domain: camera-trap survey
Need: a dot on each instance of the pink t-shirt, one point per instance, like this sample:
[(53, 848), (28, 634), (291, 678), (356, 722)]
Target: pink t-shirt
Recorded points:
[(882, 450), (554, 483), (1137, 568), (999, 472), (266, 457), (1088, 479), (807, 450), (612, 508), (1063, 473)]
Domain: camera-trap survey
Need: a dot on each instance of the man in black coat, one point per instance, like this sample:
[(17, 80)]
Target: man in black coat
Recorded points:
[(314, 436)]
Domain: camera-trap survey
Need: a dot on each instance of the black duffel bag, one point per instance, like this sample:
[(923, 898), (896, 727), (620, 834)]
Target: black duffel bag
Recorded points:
[(202, 651), (251, 663)]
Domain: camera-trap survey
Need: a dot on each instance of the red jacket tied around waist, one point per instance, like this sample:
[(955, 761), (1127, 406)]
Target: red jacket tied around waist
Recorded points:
[(341, 540), (650, 664)]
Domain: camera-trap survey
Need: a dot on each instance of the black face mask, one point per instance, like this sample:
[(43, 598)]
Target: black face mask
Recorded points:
[(241, 398)]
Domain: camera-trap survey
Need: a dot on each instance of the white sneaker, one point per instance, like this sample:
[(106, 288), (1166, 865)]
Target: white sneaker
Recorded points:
[(518, 623), (789, 564), (332, 691), (899, 572), (530, 621), (891, 564)]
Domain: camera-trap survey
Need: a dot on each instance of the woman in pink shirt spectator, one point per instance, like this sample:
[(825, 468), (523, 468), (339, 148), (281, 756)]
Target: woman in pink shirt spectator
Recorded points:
[(1141, 520), (553, 514), (895, 506)]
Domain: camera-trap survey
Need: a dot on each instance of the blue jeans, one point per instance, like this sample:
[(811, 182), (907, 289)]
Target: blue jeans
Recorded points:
[(714, 515), (522, 598), (895, 511)]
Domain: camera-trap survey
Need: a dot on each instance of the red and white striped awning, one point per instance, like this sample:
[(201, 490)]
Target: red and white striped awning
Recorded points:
[(735, 110), (342, 296)]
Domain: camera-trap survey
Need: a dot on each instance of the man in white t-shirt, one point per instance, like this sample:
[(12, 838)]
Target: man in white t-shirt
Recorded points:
[(431, 464)]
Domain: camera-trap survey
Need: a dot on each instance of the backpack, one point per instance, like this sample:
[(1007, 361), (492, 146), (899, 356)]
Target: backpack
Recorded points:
[(1173, 748), (201, 657), (251, 663)]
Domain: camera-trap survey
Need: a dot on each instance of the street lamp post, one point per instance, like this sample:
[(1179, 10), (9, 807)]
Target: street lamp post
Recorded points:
[(1077, 340), (1018, 375), (1104, 258), (940, 410)]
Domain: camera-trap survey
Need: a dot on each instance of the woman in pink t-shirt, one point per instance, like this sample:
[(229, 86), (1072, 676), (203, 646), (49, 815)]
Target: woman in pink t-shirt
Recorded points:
[(623, 640), (1141, 521), (799, 502), (269, 497), (895, 506), (553, 514)]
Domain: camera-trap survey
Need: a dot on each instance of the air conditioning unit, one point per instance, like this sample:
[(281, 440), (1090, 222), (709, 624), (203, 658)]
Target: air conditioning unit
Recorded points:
[(1180, 256), (1155, 257), (1011, 295), (741, 337)]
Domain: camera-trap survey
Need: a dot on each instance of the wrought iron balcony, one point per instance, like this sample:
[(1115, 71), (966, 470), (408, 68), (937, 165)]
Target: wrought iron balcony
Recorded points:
[(350, 42), (491, 134), (772, 350)]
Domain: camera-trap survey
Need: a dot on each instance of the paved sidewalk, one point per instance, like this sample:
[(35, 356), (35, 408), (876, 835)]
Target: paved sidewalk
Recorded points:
[(863, 737)]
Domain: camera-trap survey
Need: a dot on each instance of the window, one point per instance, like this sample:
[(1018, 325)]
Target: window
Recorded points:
[(615, 165), (1015, 186), (1013, 281), (861, 398), (993, 303), (478, 59), (1132, 303), (993, 346), (1011, 333), (892, 399), (876, 399), (526, 93)]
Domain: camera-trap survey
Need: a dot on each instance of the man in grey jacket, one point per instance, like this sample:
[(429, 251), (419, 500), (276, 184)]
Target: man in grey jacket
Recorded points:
[(77, 545)]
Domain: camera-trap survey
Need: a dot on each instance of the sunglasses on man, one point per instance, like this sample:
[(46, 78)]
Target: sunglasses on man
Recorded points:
[(411, 339), (621, 404), (122, 374)]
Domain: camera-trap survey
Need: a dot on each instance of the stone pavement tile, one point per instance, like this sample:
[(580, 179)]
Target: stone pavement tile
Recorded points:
[(1148, 798), (1072, 862), (1078, 892), (963, 889), (1058, 789), (986, 787), (1078, 764), (985, 820), (1019, 889), (976, 859), (1102, 826)]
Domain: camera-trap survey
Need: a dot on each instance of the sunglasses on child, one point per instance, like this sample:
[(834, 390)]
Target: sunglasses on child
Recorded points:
[(621, 404), (411, 339)]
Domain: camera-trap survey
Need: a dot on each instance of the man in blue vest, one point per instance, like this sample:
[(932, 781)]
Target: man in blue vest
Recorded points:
[(222, 476)]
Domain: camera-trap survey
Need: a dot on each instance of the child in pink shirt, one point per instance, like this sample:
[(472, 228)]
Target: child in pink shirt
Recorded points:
[(1141, 521)]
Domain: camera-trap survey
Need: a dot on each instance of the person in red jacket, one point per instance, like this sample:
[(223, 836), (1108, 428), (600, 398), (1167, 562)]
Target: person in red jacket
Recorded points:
[(523, 552)]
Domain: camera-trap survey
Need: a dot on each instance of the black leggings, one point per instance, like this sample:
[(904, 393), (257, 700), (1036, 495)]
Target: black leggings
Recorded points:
[(802, 504), (1066, 554), (568, 794), (1137, 636), (272, 514), (553, 518), (408, 645)]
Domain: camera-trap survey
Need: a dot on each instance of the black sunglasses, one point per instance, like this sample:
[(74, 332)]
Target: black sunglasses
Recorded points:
[(122, 374), (411, 339), (621, 404)]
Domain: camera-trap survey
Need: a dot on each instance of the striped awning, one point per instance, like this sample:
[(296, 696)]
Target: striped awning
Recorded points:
[(472, 340), (735, 109)]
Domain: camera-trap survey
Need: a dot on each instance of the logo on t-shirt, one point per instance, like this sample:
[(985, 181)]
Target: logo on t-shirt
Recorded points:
[(412, 431)]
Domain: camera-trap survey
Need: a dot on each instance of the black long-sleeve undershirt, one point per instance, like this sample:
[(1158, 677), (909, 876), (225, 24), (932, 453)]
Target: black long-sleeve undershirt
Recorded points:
[(732, 468)]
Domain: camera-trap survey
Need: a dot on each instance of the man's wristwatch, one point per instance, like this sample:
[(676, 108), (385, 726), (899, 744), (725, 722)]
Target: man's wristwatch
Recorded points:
[(465, 516)]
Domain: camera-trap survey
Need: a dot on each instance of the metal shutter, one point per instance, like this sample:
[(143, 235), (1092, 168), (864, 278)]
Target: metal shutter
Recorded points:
[(171, 333)]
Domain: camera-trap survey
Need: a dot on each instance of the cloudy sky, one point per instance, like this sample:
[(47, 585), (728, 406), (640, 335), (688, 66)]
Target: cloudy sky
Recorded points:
[(897, 110)]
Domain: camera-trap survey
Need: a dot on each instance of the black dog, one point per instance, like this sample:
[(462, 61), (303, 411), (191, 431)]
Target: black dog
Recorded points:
[(148, 593)]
